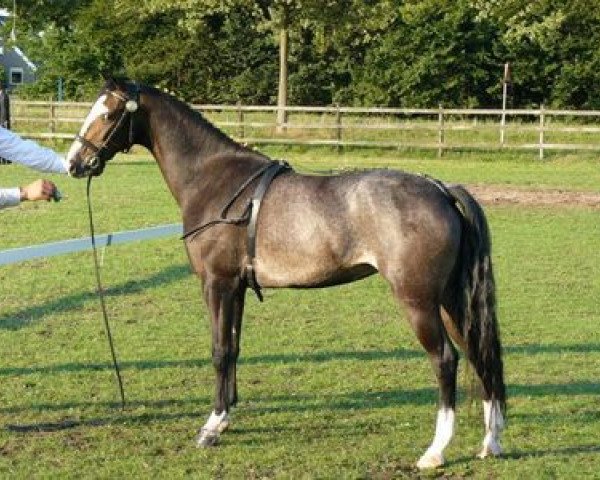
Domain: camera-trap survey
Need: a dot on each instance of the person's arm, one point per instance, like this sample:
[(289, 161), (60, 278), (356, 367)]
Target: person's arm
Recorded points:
[(9, 197), (38, 190), (30, 154)]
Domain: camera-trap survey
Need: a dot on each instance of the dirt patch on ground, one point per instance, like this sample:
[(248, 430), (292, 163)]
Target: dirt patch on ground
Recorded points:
[(502, 194)]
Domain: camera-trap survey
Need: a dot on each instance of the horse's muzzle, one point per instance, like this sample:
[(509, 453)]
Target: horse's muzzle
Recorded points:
[(91, 166), (77, 170)]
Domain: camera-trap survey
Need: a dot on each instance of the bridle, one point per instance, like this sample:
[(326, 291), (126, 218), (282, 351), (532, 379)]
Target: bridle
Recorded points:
[(104, 152)]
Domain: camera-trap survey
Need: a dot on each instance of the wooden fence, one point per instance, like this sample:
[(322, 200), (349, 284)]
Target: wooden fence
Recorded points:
[(441, 129)]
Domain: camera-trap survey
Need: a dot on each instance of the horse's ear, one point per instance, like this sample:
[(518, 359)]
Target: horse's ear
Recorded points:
[(109, 79)]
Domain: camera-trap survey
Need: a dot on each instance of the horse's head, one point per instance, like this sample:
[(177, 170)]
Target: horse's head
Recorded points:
[(108, 129)]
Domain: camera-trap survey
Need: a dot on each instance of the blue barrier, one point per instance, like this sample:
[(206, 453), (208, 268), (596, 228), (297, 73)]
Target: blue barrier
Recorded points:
[(15, 255)]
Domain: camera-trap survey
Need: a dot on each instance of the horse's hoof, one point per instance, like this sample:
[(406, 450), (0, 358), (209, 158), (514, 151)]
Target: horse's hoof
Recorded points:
[(207, 438), (493, 449), (223, 425), (430, 460)]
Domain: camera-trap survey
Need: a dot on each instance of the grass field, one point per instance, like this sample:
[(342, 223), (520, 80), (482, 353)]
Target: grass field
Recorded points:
[(333, 382)]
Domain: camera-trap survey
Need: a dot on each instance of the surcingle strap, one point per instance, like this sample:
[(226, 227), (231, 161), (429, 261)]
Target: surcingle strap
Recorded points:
[(267, 177), (439, 185), (444, 189)]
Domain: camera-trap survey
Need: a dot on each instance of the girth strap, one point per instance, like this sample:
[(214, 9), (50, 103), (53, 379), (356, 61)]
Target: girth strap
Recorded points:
[(270, 173)]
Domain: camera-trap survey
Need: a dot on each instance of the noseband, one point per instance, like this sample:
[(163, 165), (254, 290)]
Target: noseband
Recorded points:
[(101, 153)]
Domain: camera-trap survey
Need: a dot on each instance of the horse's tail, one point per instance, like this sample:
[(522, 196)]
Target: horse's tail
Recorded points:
[(477, 297)]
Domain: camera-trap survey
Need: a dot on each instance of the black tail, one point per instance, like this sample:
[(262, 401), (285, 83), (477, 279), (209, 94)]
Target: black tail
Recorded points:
[(478, 300)]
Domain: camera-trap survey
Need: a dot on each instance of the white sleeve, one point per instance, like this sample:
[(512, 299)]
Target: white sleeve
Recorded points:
[(30, 154), (9, 197)]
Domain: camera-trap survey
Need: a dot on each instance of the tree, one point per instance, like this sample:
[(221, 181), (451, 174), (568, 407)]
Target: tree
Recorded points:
[(436, 51), (286, 20), (362, 52), (552, 46)]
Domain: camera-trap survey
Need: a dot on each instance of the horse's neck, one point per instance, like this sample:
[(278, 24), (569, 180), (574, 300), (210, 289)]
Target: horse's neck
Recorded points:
[(181, 152)]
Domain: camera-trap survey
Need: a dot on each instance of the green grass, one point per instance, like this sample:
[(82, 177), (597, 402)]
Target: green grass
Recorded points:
[(333, 382)]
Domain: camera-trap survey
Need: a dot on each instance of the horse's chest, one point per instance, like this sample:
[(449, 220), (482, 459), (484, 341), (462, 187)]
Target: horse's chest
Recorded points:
[(220, 251)]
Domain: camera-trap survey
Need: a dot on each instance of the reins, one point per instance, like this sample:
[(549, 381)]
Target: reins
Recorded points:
[(101, 296)]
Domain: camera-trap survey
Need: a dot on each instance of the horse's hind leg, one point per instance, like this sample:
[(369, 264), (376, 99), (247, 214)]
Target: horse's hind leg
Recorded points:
[(492, 412), (427, 324)]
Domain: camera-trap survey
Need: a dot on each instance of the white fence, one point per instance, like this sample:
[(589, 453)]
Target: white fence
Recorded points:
[(440, 129), (15, 255)]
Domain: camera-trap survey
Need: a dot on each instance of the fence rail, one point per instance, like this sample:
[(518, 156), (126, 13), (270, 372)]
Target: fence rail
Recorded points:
[(441, 128), (21, 254)]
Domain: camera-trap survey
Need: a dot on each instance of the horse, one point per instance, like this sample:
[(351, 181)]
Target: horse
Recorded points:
[(430, 241)]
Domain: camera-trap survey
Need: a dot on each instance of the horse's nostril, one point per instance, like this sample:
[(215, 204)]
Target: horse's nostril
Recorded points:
[(76, 170)]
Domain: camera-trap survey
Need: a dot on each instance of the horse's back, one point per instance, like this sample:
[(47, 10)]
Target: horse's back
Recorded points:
[(320, 230)]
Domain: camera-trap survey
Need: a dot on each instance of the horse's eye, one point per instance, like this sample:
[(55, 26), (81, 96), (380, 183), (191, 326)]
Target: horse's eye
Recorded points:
[(105, 117)]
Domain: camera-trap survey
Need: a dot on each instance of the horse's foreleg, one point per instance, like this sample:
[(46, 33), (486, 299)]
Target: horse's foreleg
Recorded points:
[(430, 331), (219, 295), (236, 333)]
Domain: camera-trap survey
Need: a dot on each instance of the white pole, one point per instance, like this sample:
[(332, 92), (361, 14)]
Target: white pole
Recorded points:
[(13, 32), (504, 95)]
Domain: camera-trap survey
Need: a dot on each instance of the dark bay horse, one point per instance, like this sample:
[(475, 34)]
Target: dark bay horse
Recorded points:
[(428, 240)]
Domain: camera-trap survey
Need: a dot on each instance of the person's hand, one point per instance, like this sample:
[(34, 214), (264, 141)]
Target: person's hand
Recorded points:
[(38, 190)]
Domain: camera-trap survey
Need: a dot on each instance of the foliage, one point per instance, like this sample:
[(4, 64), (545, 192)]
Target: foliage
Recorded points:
[(553, 48), (416, 53), (435, 52)]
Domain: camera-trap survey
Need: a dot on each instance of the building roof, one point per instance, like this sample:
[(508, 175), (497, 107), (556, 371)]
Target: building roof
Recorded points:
[(5, 14), (29, 63)]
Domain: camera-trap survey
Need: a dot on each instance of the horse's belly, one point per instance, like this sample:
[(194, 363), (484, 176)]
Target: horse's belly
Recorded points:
[(310, 273)]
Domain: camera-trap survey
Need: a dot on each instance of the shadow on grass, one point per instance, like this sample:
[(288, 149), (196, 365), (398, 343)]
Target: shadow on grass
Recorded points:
[(195, 408), (128, 418), (547, 389), (125, 417), (25, 317), (525, 454), (303, 402), (312, 357), (114, 407), (351, 401), (540, 348), (278, 359), (572, 450)]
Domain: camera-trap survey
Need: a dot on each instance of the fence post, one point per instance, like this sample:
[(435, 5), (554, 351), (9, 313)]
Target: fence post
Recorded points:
[(542, 122), (240, 119), (338, 130), (440, 131), (505, 81), (52, 116), (502, 124)]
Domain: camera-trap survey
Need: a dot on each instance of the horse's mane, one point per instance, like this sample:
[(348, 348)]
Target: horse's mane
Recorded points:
[(210, 137), (193, 116), (186, 125)]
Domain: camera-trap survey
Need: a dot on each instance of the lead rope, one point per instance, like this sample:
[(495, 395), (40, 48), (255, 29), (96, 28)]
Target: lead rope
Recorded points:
[(101, 296)]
